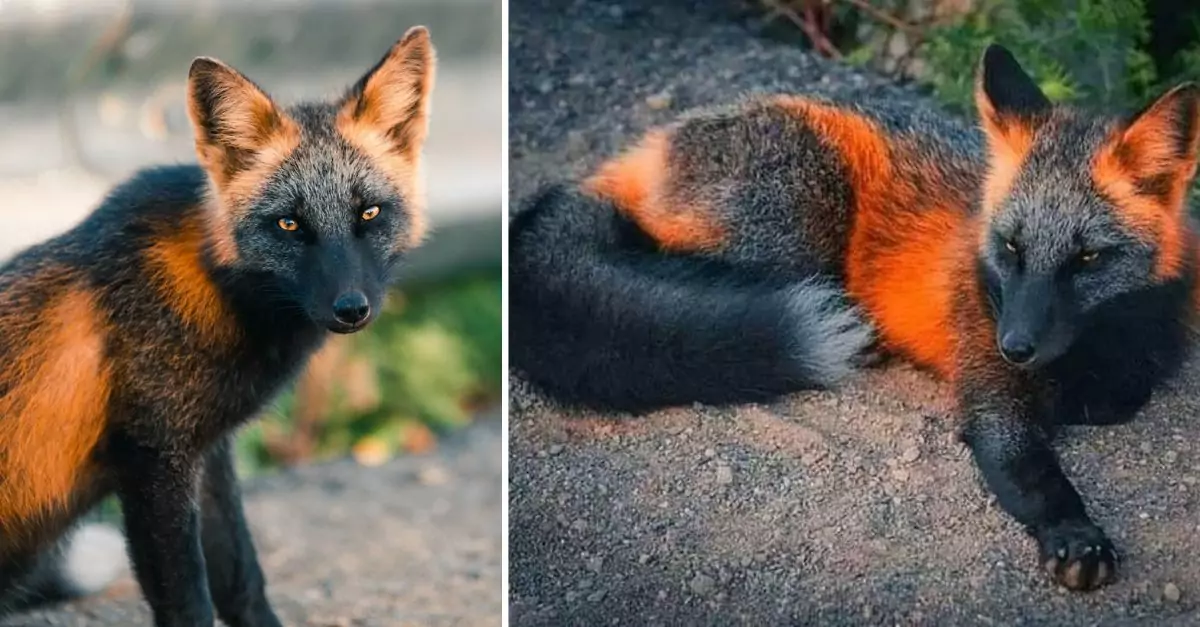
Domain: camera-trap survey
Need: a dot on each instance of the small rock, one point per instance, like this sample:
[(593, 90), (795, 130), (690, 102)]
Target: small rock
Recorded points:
[(724, 475), (910, 455), (584, 584), (1171, 593), (659, 101), (594, 563), (433, 476), (702, 584), (1146, 447), (644, 559), (709, 453), (556, 449), (662, 594), (579, 525), (572, 596), (596, 596), (546, 86)]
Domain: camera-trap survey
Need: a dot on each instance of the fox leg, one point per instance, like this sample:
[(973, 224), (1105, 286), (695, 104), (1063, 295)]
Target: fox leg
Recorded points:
[(1013, 453), (236, 580), (157, 488)]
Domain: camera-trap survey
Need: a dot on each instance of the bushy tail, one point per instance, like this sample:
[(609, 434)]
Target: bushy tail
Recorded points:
[(598, 318), (84, 562)]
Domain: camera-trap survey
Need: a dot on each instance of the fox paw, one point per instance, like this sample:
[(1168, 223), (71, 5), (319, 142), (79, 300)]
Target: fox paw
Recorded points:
[(1078, 555)]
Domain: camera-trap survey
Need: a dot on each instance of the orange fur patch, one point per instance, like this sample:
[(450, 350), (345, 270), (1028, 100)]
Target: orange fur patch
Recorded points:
[(179, 276), (1149, 149), (389, 120), (241, 139), (898, 267), (1009, 140), (53, 412), (636, 182)]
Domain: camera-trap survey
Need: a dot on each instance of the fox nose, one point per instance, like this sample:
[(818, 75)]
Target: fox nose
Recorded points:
[(351, 307), (1017, 348)]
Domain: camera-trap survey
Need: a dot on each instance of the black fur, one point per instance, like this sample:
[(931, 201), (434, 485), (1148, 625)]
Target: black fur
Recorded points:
[(598, 318)]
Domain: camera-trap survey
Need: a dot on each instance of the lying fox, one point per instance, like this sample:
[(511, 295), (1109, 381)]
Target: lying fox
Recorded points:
[(135, 343), (1046, 268)]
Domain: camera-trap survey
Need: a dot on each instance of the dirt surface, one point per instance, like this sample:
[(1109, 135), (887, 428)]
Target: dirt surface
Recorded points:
[(414, 542), (831, 508)]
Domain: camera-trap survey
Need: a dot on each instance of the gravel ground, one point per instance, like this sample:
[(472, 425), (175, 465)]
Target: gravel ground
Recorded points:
[(833, 508), (414, 542)]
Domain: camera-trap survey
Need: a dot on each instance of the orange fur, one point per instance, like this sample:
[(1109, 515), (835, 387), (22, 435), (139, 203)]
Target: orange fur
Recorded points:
[(52, 413), (907, 289), (636, 183), (1009, 140), (182, 281), (1146, 149), (389, 120), (241, 138)]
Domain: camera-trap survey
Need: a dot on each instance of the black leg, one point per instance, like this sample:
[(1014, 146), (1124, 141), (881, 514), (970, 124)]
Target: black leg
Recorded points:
[(237, 582), (158, 497), (1014, 456)]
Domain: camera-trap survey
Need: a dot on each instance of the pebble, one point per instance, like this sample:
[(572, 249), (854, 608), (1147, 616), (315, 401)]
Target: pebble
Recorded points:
[(594, 563), (579, 525), (910, 455), (702, 584), (724, 475), (556, 449), (644, 559), (1171, 593), (659, 101), (709, 453), (596, 596)]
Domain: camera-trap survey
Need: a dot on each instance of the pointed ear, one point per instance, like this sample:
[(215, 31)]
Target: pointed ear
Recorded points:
[(1010, 104), (1162, 139), (392, 99), (233, 119)]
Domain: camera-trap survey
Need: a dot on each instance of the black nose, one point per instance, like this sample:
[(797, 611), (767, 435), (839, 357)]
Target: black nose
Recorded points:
[(351, 308), (1017, 348)]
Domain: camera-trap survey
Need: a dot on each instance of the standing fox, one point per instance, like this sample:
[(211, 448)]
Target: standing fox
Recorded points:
[(1045, 267), (135, 343)]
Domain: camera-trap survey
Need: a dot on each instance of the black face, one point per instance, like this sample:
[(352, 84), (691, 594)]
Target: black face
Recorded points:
[(1045, 284), (327, 229)]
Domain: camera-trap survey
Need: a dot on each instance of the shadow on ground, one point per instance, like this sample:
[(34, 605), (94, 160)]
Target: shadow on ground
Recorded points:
[(833, 508)]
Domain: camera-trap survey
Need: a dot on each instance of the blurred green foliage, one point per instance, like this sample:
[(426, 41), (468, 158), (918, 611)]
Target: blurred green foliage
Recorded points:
[(1077, 50), (434, 357)]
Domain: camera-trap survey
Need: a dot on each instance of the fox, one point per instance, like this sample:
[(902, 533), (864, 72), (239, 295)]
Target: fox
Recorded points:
[(1041, 262), (137, 342)]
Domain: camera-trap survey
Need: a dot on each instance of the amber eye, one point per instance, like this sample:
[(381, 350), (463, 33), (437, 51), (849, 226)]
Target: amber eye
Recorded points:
[(371, 212), (1088, 256), (288, 224), (1010, 245)]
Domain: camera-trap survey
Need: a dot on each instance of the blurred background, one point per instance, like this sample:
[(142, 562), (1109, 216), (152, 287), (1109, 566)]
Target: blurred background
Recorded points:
[(91, 90), (1110, 53)]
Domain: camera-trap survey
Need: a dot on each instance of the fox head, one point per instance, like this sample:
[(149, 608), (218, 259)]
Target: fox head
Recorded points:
[(1078, 211), (317, 201)]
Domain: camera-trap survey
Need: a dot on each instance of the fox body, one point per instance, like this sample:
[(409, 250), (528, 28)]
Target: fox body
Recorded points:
[(135, 343), (1044, 265)]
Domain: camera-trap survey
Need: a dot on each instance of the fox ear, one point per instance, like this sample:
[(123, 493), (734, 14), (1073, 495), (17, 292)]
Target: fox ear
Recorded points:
[(1162, 139), (1009, 102), (392, 99), (232, 118)]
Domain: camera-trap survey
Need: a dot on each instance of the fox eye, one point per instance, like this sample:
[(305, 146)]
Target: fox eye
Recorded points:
[(1088, 256), (288, 224), (1011, 246), (370, 213)]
